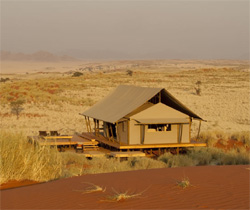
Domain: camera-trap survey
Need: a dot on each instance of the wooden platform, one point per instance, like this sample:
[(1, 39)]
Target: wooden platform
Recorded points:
[(127, 154), (123, 146), (64, 141)]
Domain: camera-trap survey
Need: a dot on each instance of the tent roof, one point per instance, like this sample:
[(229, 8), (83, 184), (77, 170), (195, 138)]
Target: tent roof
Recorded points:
[(125, 99)]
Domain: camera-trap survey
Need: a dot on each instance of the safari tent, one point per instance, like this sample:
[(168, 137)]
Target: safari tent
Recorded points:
[(140, 117)]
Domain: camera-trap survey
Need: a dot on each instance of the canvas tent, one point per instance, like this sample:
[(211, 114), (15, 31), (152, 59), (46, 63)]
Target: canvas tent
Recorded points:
[(134, 115)]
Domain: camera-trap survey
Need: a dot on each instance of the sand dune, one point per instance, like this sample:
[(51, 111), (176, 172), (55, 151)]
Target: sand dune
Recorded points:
[(213, 187)]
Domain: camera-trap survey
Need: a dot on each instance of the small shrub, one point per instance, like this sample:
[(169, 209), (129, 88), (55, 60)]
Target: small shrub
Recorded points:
[(130, 73), (198, 88), (4, 79), (16, 107), (77, 74)]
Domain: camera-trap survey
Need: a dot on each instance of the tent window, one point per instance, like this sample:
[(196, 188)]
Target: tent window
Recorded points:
[(168, 127), (159, 127)]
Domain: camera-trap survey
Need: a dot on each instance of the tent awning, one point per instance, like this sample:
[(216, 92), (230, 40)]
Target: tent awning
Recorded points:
[(162, 121)]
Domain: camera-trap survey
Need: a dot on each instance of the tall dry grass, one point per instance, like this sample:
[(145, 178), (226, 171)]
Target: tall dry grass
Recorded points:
[(21, 160), (207, 156)]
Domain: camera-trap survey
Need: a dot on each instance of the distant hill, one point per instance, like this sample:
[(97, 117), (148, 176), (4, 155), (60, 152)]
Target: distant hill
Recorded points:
[(40, 56)]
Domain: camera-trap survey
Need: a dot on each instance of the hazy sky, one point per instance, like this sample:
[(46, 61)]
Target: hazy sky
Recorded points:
[(128, 29)]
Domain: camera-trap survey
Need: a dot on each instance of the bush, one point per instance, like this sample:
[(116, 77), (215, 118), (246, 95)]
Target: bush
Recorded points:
[(77, 74), (137, 163), (176, 160), (16, 107), (4, 79), (130, 73)]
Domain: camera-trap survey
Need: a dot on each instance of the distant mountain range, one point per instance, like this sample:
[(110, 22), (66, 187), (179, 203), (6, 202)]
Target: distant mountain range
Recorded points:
[(40, 56)]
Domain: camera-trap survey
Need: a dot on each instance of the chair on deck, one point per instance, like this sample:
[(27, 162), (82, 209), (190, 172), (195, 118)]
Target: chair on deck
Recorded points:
[(54, 133), (43, 133)]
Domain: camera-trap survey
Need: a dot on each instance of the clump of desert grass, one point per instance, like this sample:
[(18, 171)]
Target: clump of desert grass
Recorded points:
[(121, 196), (21, 160), (184, 183), (207, 156), (92, 188)]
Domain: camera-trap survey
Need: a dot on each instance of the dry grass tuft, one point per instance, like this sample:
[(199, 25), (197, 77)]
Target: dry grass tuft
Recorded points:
[(122, 196), (92, 188), (184, 183)]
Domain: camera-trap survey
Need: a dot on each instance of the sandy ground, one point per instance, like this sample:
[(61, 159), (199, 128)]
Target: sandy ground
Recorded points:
[(224, 102), (213, 187)]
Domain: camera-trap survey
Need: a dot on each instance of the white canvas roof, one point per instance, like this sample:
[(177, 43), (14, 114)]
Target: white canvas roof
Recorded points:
[(125, 99)]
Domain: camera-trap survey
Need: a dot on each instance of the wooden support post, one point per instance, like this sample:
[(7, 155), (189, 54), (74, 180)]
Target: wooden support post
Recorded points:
[(87, 123), (177, 150), (128, 127), (117, 133), (98, 127), (159, 151), (198, 131), (190, 123), (95, 125), (112, 134)]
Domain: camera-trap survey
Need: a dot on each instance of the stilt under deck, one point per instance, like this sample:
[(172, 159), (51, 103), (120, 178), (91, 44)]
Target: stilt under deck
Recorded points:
[(122, 146)]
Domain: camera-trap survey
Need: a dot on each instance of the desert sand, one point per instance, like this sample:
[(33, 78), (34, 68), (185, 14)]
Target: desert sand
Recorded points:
[(224, 100), (212, 187)]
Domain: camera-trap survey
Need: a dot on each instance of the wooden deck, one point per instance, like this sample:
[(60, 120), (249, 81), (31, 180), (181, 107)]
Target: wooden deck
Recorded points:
[(118, 146), (63, 141)]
